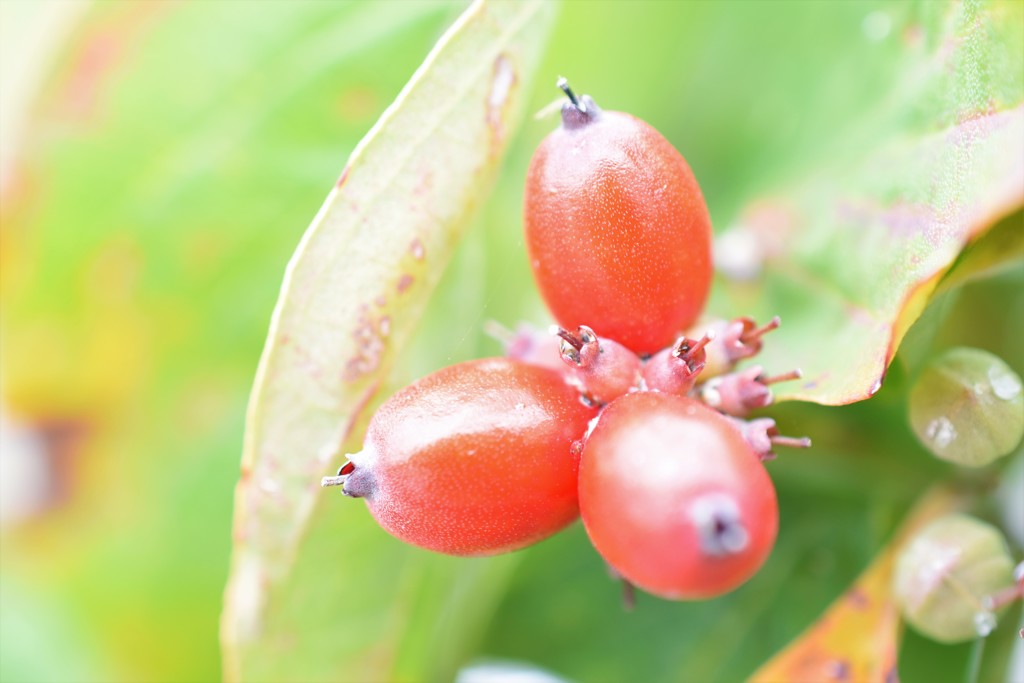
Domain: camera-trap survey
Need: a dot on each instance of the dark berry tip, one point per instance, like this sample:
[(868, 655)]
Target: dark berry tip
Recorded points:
[(355, 482), (563, 84), (719, 524), (578, 111)]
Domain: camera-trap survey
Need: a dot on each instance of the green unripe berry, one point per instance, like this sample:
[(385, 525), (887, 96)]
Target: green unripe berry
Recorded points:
[(967, 407), (946, 574)]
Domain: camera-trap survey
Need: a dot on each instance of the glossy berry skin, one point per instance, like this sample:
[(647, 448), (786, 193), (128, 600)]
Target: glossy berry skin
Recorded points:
[(674, 498), (617, 230), (474, 459)]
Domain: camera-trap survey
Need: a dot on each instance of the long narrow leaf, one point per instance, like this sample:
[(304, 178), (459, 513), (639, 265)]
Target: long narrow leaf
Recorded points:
[(360, 278)]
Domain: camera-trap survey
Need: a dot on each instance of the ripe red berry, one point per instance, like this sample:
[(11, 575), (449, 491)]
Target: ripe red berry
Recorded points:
[(617, 230), (475, 459), (674, 498)]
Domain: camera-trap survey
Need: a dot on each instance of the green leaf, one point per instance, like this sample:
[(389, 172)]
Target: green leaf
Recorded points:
[(999, 250), (353, 294), (852, 254)]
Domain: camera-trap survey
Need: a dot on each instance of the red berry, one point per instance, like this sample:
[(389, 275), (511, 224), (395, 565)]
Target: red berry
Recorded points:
[(674, 498), (475, 459), (617, 230)]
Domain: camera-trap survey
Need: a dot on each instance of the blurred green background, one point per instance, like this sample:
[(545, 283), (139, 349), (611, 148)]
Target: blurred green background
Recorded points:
[(160, 163)]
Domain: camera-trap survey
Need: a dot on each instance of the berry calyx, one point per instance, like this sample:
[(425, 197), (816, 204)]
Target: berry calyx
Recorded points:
[(739, 393), (674, 498), (675, 370), (474, 459), (616, 227), (763, 436), (602, 368), (578, 111), (527, 344), (735, 340)]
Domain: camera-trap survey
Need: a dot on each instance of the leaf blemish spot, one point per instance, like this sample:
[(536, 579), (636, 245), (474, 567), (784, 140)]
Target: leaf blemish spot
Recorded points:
[(368, 336), (838, 670), (404, 283), (858, 599), (270, 486), (417, 250), (501, 84)]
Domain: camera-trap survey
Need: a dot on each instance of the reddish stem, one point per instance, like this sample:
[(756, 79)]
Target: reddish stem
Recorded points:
[(784, 377), (757, 333), (569, 338), (687, 347), (790, 441)]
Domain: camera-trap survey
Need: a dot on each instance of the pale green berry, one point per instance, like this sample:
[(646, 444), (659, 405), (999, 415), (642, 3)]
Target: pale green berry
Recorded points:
[(946, 574), (967, 407)]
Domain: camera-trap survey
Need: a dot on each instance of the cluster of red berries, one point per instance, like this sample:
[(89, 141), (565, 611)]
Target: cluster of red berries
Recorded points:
[(638, 430)]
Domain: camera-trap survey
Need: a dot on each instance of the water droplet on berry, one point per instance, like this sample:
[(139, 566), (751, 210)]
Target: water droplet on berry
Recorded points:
[(941, 432), (1005, 385), (984, 623)]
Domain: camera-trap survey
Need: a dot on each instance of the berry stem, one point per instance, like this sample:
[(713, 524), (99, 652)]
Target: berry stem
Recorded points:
[(757, 333), (569, 338), (499, 333), (974, 661), (628, 596), (686, 349), (784, 377), (790, 441), (997, 601), (341, 477)]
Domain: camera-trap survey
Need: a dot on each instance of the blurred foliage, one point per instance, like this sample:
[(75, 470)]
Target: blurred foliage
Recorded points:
[(858, 637), (174, 154)]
